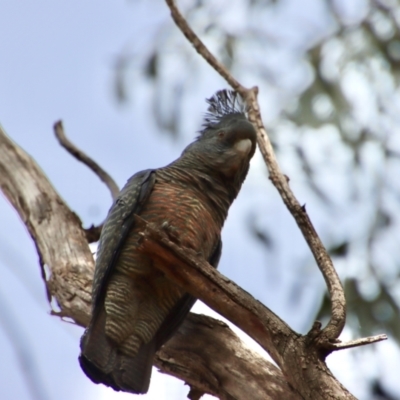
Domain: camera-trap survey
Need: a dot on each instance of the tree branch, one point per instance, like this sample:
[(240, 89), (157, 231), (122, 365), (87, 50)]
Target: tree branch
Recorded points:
[(62, 246), (184, 267), (358, 342), (198, 362), (300, 357), (280, 181), (85, 159), (55, 229), (92, 233), (201, 48)]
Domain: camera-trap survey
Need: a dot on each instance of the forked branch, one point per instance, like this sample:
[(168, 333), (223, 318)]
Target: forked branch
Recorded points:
[(280, 181), (184, 267)]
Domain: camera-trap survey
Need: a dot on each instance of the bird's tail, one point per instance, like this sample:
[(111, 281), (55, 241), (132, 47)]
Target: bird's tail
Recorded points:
[(103, 363)]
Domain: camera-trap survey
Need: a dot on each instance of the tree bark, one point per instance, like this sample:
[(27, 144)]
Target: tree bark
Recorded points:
[(215, 361)]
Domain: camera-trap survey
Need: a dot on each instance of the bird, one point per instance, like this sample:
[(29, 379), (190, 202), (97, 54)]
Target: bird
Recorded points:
[(135, 308)]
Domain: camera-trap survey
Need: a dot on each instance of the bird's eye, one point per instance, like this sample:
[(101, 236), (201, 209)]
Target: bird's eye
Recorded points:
[(221, 134)]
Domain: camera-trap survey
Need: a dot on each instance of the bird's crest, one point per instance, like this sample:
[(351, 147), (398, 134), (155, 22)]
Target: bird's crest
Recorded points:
[(223, 103)]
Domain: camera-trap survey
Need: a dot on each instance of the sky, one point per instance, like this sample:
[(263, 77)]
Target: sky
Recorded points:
[(57, 62)]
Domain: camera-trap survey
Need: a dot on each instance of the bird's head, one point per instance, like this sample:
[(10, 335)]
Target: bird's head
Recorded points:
[(228, 140)]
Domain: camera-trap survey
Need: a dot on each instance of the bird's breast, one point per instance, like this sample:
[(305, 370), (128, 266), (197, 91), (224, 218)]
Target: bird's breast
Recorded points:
[(185, 218), (184, 215)]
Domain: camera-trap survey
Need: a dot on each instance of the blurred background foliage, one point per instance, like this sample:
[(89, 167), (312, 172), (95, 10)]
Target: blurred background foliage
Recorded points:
[(330, 98)]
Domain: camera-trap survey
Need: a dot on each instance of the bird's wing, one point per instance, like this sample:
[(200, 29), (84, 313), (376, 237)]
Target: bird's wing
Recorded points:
[(118, 224), (179, 312)]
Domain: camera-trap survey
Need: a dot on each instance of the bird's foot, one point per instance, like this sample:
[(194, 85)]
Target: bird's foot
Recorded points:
[(171, 231)]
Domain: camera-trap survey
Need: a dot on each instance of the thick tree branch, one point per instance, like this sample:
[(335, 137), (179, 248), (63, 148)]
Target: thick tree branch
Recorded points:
[(200, 368), (300, 358), (223, 367), (55, 229), (221, 294), (324, 262)]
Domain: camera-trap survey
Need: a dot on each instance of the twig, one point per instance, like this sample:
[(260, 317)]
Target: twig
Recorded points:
[(358, 342), (85, 159), (93, 233), (324, 262), (201, 48)]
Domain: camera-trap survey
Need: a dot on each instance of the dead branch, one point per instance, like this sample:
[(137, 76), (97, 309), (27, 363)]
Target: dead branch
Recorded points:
[(85, 159), (92, 233), (200, 369), (324, 262), (55, 229), (358, 342)]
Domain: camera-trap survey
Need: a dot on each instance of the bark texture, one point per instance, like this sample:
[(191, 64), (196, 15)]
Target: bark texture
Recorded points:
[(190, 360)]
